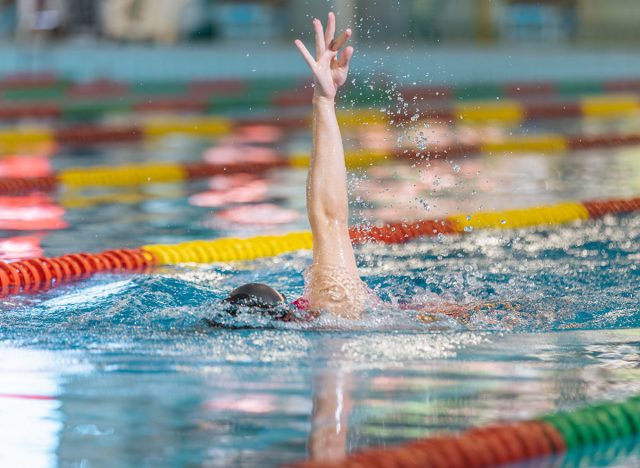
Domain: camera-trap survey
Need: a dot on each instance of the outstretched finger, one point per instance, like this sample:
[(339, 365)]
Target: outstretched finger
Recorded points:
[(305, 53), (331, 28), (345, 56), (320, 45), (342, 39)]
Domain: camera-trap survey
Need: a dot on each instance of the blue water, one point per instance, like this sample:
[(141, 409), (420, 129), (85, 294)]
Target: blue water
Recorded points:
[(573, 277), (122, 370)]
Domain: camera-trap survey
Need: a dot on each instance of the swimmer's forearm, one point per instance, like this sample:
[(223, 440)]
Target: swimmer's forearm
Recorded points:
[(327, 198)]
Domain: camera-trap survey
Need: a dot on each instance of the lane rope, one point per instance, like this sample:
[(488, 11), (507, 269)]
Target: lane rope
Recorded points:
[(595, 425), (131, 175), (24, 138), (140, 174), (278, 91), (43, 273), (507, 111)]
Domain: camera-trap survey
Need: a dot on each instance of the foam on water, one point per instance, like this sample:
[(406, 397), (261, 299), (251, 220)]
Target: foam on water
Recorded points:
[(536, 280)]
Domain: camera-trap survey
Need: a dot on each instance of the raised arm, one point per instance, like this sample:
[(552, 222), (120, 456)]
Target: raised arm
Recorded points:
[(334, 270)]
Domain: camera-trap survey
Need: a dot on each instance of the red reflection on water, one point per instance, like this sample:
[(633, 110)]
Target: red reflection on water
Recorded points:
[(21, 247), (256, 404), (30, 213), (26, 397), (414, 192), (433, 135), (376, 137), (25, 166), (99, 88), (229, 154), (263, 134), (226, 182), (262, 214), (226, 190)]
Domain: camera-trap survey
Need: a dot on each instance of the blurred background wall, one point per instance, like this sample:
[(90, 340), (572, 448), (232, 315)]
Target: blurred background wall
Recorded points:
[(176, 39), (169, 21)]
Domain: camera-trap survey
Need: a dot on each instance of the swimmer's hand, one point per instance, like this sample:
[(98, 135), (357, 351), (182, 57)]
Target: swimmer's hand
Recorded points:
[(329, 70)]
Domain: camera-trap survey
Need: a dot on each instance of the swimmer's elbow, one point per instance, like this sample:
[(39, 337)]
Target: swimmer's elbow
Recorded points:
[(329, 212)]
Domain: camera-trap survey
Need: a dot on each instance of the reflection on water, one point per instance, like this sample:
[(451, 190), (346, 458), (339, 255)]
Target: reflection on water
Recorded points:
[(260, 398), (131, 216), (29, 409), (122, 370), (131, 375)]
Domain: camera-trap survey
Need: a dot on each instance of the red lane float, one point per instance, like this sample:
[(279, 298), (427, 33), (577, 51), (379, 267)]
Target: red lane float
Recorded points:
[(192, 171), (42, 110), (100, 88), (93, 134), (482, 447), (600, 208), (40, 274), (22, 185), (29, 80), (182, 104), (198, 170), (396, 233), (540, 88), (215, 87)]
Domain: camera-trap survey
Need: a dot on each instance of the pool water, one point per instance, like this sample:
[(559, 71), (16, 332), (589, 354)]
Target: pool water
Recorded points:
[(122, 370)]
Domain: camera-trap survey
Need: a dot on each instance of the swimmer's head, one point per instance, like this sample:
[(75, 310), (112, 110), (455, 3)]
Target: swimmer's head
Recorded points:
[(258, 297)]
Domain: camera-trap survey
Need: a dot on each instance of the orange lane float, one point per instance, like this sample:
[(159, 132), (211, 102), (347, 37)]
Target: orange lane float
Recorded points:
[(41, 274)]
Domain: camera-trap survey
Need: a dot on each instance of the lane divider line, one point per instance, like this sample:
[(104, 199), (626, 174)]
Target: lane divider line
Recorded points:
[(507, 111), (75, 98), (597, 425), (41, 274), (25, 138), (140, 174), (130, 175)]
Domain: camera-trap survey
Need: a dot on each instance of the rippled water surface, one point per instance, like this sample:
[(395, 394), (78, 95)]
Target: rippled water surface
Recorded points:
[(121, 370)]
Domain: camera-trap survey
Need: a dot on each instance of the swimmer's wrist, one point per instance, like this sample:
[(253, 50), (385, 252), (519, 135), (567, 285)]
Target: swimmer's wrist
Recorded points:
[(320, 100)]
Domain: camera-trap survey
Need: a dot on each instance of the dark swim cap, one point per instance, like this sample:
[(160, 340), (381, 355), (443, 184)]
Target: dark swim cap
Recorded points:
[(252, 298), (256, 295)]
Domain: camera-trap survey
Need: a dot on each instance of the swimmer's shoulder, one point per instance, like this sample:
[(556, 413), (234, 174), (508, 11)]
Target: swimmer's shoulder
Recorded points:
[(337, 290)]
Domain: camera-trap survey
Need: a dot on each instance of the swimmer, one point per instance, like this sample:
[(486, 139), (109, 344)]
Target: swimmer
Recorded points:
[(332, 282)]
